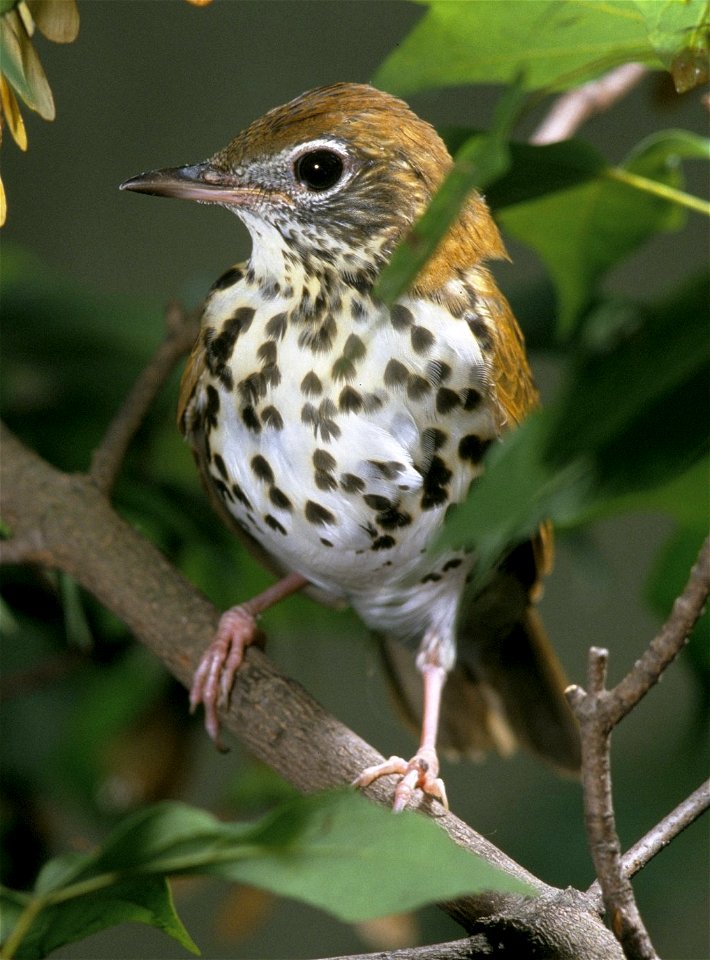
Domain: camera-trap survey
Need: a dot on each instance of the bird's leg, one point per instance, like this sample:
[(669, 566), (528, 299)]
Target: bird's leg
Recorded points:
[(422, 771), (214, 678)]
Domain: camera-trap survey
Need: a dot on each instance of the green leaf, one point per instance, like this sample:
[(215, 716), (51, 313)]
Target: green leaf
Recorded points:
[(678, 32), (582, 232), (536, 171), (348, 848), (21, 66), (631, 392), (479, 161), (518, 490), (330, 850), (556, 44), (684, 497), (145, 900)]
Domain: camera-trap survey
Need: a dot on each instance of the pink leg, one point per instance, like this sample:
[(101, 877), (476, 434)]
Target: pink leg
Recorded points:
[(422, 771), (214, 678)]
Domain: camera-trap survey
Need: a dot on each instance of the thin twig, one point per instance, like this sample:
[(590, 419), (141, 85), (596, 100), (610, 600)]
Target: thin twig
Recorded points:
[(645, 849), (602, 837), (108, 456), (573, 108), (598, 711), (468, 949), (668, 643)]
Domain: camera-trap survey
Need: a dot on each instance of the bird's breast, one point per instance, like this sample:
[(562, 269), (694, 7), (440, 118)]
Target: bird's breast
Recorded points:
[(337, 431)]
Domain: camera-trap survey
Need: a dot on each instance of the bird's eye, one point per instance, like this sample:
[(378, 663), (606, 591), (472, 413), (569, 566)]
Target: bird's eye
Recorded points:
[(319, 169)]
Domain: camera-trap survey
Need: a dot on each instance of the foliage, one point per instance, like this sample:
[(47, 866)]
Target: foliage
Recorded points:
[(21, 74), (622, 434), (316, 849)]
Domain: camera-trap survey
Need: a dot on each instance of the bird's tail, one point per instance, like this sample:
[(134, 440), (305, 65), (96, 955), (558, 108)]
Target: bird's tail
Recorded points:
[(507, 686)]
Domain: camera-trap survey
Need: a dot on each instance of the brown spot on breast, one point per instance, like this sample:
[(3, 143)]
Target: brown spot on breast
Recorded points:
[(446, 400), (473, 448), (241, 496), (417, 387), (250, 419), (421, 338), (383, 543), (401, 317), (262, 469), (435, 482), (279, 499), (253, 387), (350, 401), (219, 463), (343, 369), (276, 326), (433, 439), (479, 329), (323, 460), (311, 385), (437, 372), (317, 514), (272, 522), (377, 502), (228, 279), (471, 398), (351, 483), (354, 348), (272, 418), (267, 352), (396, 373)]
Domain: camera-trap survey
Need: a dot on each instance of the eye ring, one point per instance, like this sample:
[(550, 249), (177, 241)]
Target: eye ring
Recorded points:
[(319, 169)]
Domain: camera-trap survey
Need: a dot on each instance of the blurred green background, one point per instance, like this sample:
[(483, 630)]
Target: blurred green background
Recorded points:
[(88, 271)]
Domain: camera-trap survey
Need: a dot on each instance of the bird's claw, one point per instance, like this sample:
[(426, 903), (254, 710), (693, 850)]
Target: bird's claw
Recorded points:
[(215, 675), (419, 773)]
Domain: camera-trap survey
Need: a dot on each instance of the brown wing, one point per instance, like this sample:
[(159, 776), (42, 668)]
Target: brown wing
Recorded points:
[(191, 376), (514, 392)]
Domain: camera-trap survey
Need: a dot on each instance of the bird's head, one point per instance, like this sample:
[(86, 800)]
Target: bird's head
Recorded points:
[(341, 171)]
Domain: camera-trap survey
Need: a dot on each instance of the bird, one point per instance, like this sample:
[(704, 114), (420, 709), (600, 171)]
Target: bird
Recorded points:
[(334, 432)]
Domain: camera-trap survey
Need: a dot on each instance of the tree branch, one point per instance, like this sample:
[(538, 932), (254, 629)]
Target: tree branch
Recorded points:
[(274, 716), (471, 948), (645, 849), (598, 711), (573, 108), (181, 330)]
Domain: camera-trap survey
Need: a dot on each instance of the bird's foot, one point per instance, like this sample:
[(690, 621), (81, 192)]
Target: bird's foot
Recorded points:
[(419, 773), (215, 675)]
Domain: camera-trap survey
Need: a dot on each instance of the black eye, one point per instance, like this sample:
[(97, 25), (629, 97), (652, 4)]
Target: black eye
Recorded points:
[(319, 169)]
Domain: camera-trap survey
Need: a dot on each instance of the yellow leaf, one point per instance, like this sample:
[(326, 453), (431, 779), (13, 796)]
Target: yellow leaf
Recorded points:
[(58, 20), (25, 16), (22, 68), (11, 114), (3, 204)]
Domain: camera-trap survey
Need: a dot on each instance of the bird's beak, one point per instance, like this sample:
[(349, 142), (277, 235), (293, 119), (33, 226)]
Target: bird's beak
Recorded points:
[(200, 181)]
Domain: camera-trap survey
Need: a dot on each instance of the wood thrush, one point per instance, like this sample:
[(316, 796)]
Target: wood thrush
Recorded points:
[(332, 432)]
